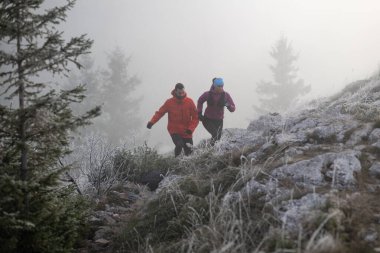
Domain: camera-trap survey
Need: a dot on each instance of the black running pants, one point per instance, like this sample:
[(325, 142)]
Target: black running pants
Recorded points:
[(214, 127), (181, 143)]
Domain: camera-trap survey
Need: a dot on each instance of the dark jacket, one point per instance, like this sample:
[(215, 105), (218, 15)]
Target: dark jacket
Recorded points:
[(215, 103)]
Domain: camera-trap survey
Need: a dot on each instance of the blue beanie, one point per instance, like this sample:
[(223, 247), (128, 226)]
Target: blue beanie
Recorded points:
[(218, 82)]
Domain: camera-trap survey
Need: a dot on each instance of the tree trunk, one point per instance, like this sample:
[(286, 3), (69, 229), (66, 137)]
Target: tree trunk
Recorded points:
[(22, 119)]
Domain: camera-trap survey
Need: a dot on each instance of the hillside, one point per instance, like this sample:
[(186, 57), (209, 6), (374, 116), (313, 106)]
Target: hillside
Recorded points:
[(304, 182)]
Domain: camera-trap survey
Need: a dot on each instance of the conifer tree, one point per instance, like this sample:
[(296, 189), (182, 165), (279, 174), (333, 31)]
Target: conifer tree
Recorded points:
[(90, 78), (36, 212), (112, 87), (277, 96), (120, 106)]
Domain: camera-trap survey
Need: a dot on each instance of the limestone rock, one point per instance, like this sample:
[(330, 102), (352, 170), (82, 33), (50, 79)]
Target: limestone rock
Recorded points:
[(335, 168)]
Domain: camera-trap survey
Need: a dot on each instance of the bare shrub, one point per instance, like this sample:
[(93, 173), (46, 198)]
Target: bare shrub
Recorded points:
[(101, 166), (95, 171)]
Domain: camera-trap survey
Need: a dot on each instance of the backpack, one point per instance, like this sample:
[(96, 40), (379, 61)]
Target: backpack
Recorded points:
[(221, 101)]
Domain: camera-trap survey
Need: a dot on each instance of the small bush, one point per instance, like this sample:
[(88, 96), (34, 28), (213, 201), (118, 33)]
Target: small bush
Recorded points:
[(158, 222), (140, 161)]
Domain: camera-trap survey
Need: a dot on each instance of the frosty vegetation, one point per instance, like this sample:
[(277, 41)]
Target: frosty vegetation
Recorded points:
[(300, 181), (307, 181)]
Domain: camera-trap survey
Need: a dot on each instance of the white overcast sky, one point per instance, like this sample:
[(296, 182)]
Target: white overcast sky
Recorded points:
[(192, 41)]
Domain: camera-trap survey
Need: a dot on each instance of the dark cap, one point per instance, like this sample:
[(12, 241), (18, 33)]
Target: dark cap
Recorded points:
[(179, 86)]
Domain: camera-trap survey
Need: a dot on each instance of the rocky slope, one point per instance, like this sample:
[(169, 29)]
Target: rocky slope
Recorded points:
[(304, 182)]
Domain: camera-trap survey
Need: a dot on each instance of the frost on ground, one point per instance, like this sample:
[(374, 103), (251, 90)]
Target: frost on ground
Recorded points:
[(306, 181)]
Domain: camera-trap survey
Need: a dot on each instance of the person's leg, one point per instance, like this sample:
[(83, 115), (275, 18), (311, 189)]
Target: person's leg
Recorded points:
[(178, 142), (188, 150), (219, 127), (211, 126)]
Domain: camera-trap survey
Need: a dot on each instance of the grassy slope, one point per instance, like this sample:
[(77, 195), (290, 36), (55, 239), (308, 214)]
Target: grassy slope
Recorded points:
[(204, 209)]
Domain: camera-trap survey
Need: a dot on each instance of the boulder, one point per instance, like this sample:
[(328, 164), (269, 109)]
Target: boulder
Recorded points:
[(294, 212), (267, 124), (374, 170), (336, 169), (374, 135)]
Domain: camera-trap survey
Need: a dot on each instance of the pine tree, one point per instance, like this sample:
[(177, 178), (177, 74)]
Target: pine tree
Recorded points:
[(89, 77), (113, 88), (287, 88), (37, 213), (119, 107)]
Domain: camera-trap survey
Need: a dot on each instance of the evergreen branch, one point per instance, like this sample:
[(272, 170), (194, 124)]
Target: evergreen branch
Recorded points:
[(6, 73), (58, 59), (8, 89), (56, 13)]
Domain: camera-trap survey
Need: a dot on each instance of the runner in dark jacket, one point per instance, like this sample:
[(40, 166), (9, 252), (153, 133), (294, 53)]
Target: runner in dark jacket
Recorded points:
[(213, 116)]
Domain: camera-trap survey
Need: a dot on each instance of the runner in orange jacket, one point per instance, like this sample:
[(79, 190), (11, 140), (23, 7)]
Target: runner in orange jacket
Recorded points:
[(182, 119)]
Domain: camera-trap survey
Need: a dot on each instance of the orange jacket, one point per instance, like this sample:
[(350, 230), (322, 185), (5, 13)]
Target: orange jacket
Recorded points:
[(182, 115)]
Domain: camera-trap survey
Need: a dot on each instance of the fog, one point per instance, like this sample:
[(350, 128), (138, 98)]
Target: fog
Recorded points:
[(172, 41)]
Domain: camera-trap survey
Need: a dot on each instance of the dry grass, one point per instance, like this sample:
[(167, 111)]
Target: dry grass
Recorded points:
[(205, 209)]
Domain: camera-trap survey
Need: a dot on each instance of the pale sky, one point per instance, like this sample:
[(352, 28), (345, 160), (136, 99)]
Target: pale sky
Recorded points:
[(192, 41)]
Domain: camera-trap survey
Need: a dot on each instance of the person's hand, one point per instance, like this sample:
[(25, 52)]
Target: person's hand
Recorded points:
[(229, 107), (200, 116), (188, 131), (149, 125)]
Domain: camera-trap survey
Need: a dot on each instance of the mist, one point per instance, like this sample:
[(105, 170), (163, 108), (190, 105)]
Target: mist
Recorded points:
[(191, 42)]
